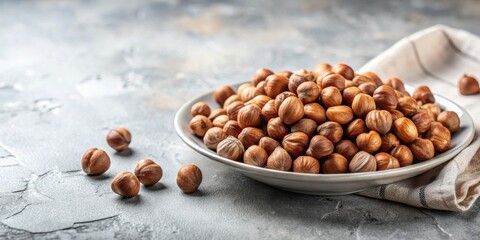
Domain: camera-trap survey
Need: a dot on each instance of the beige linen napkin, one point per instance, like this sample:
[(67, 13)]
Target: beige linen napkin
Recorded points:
[(438, 57)]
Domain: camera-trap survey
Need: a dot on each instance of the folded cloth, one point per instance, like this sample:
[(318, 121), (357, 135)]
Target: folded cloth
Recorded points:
[(437, 57)]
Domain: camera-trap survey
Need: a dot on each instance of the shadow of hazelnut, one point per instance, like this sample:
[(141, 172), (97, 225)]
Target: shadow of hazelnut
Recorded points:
[(126, 153), (155, 187)]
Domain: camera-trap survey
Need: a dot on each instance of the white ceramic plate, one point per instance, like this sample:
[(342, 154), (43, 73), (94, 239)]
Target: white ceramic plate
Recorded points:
[(327, 184)]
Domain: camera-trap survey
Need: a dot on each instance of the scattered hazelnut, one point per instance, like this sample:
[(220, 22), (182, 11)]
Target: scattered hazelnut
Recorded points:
[(422, 121), (320, 147), (250, 136), (389, 141), (346, 148), (334, 80), (396, 114), (397, 84), (189, 178), (405, 129), (269, 111), (306, 164), (230, 100), (433, 109), (349, 94), (407, 105), (308, 92), (249, 116), (276, 129), (222, 93), (344, 70), (281, 97), (403, 154), (355, 128), (385, 98), (422, 149), (362, 104), (232, 128), (361, 79), (275, 84), (450, 120), (331, 96), (220, 121), (260, 75), (440, 137), (216, 113), (295, 143), (379, 120), (95, 161), (369, 142), (120, 138), (200, 108), (255, 156), (386, 161), (213, 136), (291, 110), (305, 125), (340, 114), (468, 85), (363, 162), (199, 125), (315, 112), (423, 94), (148, 172), (335, 163), (231, 148), (374, 77), (285, 73), (279, 160), (234, 108), (268, 144), (331, 130), (126, 184)]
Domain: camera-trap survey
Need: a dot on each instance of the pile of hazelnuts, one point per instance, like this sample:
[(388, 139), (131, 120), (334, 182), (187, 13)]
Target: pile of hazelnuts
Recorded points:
[(96, 161), (328, 120)]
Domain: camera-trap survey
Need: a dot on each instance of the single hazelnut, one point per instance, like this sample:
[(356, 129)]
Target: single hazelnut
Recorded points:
[(346, 148), (422, 149), (340, 114), (125, 184), (335, 163), (232, 128), (349, 94), (200, 108), (433, 109), (308, 92), (361, 79), (248, 94), (217, 112), (213, 136), (355, 128), (269, 111), (315, 112), (368, 88), (279, 160), (268, 144), (331, 130), (231, 148), (369, 142), (249, 116), (189, 178), (306, 164), (440, 137), (385, 98), (291, 110), (386, 161), (422, 121), (374, 77), (250, 136), (397, 84), (120, 138), (331, 96), (199, 125), (362, 104), (255, 156), (222, 93), (468, 85), (423, 94), (260, 75), (230, 100), (344, 70), (305, 125), (405, 129), (295, 81), (148, 172), (407, 105), (295, 143), (334, 80), (234, 108), (259, 100), (281, 97), (95, 161), (396, 114), (321, 68), (275, 84), (389, 141), (220, 121), (363, 162), (450, 120), (276, 129), (285, 73), (379, 120), (403, 154), (319, 147)]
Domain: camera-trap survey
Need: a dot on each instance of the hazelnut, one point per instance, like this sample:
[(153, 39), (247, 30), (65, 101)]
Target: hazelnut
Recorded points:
[(308, 92), (368, 88), (363, 162), (232, 128), (340, 114), (403, 154), (126, 184), (369, 142), (396, 114), (361, 79), (148, 172), (275, 84), (260, 89), (334, 80), (199, 125), (250, 136), (307, 74), (346, 148), (217, 112), (344, 70), (306, 164), (279, 160), (319, 147), (259, 100), (200, 108), (335, 163), (95, 161), (432, 109), (220, 121), (379, 120), (440, 137), (291, 110), (422, 121), (386, 161), (285, 73), (374, 77), (362, 104), (242, 87), (450, 120), (260, 75), (231, 148), (295, 80), (233, 109), (305, 125), (230, 100), (268, 144), (281, 97), (397, 84), (423, 94), (295, 143), (214, 136), (247, 94), (331, 96), (355, 128), (189, 178), (255, 156), (399, 94), (389, 141), (249, 116), (407, 105), (222, 93), (385, 98), (331, 130), (322, 68), (468, 85), (349, 94), (120, 138), (349, 83), (405, 129), (315, 112), (276, 129), (269, 111), (422, 149)]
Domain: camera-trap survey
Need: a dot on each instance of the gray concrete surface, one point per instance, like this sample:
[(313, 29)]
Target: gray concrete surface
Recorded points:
[(70, 70)]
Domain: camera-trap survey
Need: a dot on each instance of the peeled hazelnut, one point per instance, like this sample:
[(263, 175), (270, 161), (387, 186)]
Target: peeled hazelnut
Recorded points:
[(281, 97), (230, 100), (363, 162), (232, 128), (189, 178), (450, 120), (220, 121), (422, 121), (222, 93), (422, 149), (308, 92), (355, 128), (385, 98), (346, 148), (306, 164), (423, 94), (295, 143), (362, 104), (379, 120), (331, 130), (259, 101), (396, 114), (405, 129), (349, 94), (368, 88), (433, 109), (214, 136), (279, 160), (305, 125), (148, 172), (319, 147), (291, 110), (334, 80), (260, 75), (397, 84), (120, 138), (269, 111), (95, 161), (369, 142), (234, 108), (335, 163), (217, 112), (255, 156), (340, 114), (285, 73), (315, 112), (276, 129), (361, 79), (407, 105), (200, 108), (320, 69), (389, 141), (247, 94), (295, 80), (468, 85), (231, 148), (403, 154), (331, 96), (268, 144), (275, 84), (344, 70), (440, 137), (386, 161), (199, 125), (125, 184), (374, 77), (249, 116)]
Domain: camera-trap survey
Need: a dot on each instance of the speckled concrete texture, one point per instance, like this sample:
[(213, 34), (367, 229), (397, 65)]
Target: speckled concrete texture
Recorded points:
[(71, 70)]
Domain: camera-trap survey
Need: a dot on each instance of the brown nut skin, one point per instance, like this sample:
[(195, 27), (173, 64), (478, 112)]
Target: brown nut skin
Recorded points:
[(231, 148), (222, 93), (368, 88), (389, 141), (269, 111), (344, 70), (397, 84), (363, 104), (315, 112), (276, 129), (422, 149), (407, 105), (433, 109), (369, 142), (331, 130), (120, 138), (422, 121), (279, 160), (248, 93), (396, 115), (321, 69), (232, 128), (361, 79), (334, 80), (234, 108), (260, 89), (285, 73), (423, 94), (148, 172), (220, 121), (249, 116), (320, 147), (291, 110), (268, 144), (95, 161), (403, 154), (189, 178), (308, 92), (355, 128), (334, 163), (346, 148), (331, 96), (250, 136), (259, 101), (468, 85), (376, 79), (305, 125), (363, 162), (242, 87), (340, 114), (440, 137), (213, 137), (349, 94), (306, 73), (199, 125), (281, 97), (379, 120), (386, 161), (255, 156), (216, 113), (200, 108), (306, 164), (405, 130), (295, 143), (260, 75), (348, 84), (230, 100), (385, 98), (275, 84), (295, 81), (450, 120), (125, 184)]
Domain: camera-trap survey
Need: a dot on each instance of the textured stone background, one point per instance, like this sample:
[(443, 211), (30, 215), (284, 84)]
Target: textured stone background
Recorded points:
[(69, 71)]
